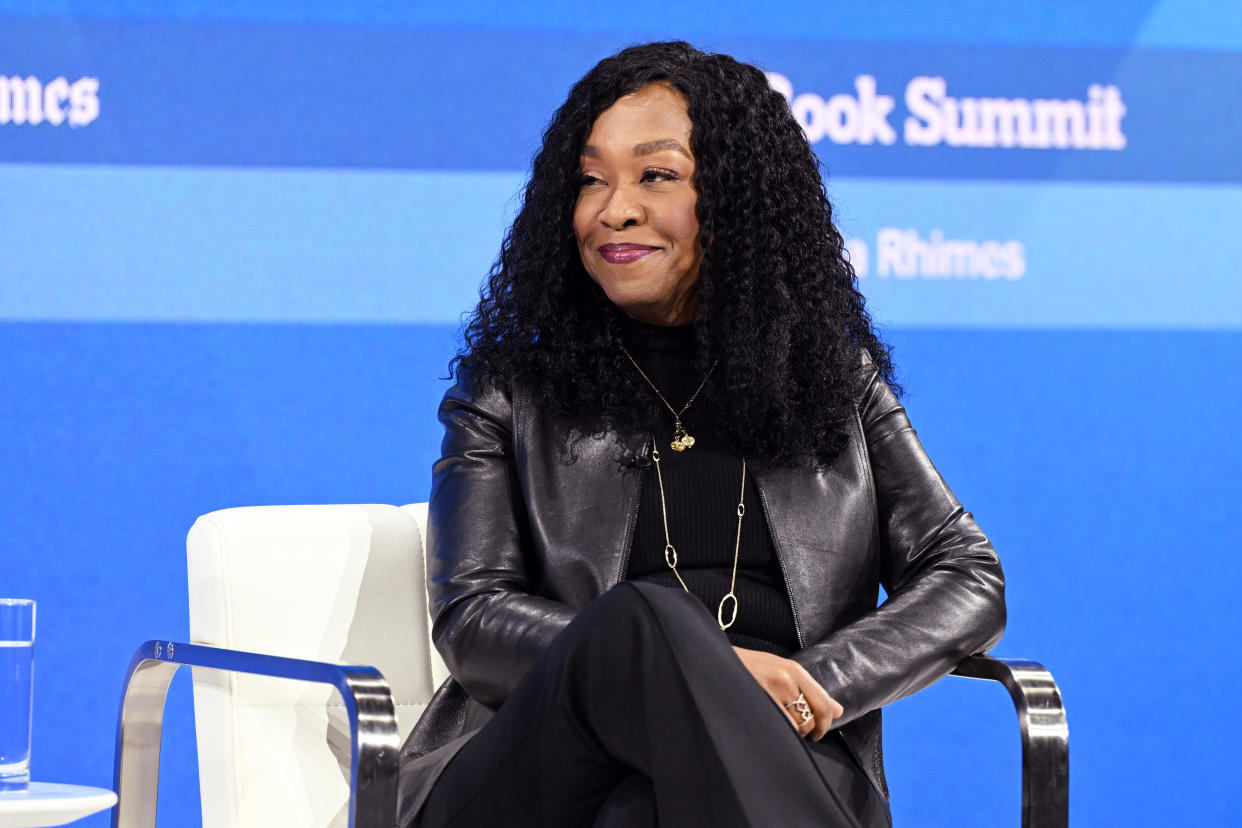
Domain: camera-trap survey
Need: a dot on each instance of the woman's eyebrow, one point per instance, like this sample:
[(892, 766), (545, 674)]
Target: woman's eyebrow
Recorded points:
[(652, 147), (645, 148)]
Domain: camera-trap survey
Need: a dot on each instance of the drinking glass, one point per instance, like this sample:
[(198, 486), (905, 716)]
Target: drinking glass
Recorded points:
[(17, 623)]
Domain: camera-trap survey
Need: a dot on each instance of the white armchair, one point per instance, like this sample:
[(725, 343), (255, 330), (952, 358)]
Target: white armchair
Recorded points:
[(333, 593), (328, 589), (324, 583)]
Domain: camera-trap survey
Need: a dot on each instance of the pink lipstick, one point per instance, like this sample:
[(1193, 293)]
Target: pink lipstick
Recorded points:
[(625, 253)]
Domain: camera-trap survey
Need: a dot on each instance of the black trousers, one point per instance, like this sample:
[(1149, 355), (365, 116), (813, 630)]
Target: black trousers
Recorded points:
[(640, 714)]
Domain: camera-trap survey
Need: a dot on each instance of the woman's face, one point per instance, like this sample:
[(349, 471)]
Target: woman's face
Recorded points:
[(634, 220)]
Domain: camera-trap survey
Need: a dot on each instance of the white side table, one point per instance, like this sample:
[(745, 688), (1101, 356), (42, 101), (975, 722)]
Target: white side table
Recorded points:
[(45, 803)]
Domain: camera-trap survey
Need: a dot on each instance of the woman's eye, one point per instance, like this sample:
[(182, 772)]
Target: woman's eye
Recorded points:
[(588, 180), (659, 175)]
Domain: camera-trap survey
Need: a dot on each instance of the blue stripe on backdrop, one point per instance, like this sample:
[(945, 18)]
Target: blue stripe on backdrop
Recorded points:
[(190, 244), (1091, 256), (1189, 24), (1102, 464), (264, 95), (193, 244)]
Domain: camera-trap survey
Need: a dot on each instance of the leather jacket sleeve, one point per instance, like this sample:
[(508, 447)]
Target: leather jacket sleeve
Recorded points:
[(943, 579), (488, 625)]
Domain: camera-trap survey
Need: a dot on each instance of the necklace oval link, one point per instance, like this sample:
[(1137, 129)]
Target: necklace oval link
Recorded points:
[(670, 555), (720, 611)]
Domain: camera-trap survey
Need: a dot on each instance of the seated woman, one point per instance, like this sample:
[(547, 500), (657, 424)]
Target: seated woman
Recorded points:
[(674, 476)]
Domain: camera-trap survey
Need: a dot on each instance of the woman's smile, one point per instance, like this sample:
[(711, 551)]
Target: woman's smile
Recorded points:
[(625, 253)]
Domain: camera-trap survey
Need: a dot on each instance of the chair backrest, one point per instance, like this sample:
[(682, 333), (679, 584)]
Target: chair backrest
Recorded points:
[(331, 583)]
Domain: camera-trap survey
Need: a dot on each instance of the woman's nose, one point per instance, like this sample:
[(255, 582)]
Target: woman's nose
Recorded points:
[(622, 209)]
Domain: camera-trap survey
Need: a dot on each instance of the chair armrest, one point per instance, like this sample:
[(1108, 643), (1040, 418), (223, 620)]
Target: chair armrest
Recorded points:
[(1045, 735), (368, 704)]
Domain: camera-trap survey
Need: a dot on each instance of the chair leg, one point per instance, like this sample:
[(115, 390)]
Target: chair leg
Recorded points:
[(1045, 735), (136, 774), (368, 703)]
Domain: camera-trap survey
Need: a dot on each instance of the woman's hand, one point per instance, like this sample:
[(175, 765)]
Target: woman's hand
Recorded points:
[(783, 680)]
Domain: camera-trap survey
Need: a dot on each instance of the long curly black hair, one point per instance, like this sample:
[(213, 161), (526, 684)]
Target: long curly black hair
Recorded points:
[(778, 301)]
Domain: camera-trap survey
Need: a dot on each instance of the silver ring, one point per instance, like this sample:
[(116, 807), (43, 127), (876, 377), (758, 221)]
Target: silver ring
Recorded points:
[(801, 707)]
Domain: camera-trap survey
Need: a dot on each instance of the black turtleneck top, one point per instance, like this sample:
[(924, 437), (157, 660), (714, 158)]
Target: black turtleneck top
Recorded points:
[(701, 487)]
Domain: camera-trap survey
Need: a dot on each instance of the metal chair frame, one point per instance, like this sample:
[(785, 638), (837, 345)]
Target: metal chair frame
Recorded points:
[(373, 727), (1045, 734), (368, 704)]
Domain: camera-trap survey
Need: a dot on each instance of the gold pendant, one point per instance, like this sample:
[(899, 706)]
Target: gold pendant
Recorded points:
[(681, 440)]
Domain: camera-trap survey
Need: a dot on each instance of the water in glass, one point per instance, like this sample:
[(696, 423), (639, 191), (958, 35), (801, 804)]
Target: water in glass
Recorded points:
[(16, 674)]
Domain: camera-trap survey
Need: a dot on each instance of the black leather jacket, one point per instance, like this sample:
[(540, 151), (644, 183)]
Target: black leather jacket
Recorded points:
[(520, 539)]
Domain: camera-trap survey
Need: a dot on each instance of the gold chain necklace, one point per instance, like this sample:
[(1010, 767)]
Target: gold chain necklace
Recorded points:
[(681, 440), (670, 552)]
